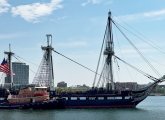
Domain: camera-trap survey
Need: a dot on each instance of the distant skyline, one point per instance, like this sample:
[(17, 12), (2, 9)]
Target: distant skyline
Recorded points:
[(77, 27)]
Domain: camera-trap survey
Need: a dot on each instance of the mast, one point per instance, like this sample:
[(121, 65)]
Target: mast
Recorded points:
[(109, 52), (48, 51), (10, 54)]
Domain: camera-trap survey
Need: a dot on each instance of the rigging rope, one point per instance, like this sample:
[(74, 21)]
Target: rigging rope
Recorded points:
[(137, 50), (143, 39), (121, 52), (100, 78), (21, 61), (140, 71), (101, 75), (76, 62), (25, 60), (99, 58)]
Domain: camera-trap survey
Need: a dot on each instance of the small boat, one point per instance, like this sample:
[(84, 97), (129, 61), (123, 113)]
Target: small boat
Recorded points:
[(29, 97)]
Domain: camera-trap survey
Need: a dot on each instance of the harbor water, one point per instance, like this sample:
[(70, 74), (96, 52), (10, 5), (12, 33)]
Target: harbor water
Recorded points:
[(152, 108)]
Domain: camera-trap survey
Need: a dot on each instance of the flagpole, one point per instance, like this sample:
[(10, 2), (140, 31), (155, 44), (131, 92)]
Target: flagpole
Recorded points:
[(9, 54)]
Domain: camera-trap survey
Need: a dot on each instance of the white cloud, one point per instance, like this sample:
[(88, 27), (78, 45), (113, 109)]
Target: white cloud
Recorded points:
[(156, 15), (91, 2), (32, 12), (94, 2), (4, 6)]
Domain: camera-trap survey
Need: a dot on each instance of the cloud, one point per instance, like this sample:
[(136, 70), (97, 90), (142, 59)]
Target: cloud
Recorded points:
[(91, 2), (95, 2), (4, 6), (32, 12), (156, 15)]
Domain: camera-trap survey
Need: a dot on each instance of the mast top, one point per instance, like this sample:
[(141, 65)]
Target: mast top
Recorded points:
[(49, 43), (49, 39), (109, 14), (9, 48), (9, 52)]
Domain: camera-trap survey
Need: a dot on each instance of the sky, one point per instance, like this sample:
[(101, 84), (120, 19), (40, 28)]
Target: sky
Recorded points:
[(78, 27)]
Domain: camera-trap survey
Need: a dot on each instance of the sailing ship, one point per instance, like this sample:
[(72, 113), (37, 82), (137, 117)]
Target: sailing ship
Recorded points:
[(44, 95), (108, 96)]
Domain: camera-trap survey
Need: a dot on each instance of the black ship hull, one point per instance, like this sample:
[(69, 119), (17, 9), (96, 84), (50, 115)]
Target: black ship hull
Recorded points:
[(99, 101), (100, 104), (62, 103), (93, 99)]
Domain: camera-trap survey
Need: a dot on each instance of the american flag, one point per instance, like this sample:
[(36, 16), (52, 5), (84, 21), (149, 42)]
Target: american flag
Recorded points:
[(4, 67)]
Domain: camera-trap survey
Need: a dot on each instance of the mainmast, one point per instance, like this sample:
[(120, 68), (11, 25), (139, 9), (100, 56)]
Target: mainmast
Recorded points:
[(48, 53), (109, 52), (44, 75), (10, 54)]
